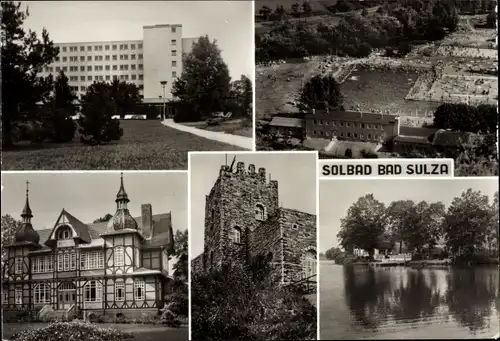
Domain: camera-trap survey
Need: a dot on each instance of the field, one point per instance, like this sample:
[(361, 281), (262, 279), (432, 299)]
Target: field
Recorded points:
[(144, 145), (142, 332)]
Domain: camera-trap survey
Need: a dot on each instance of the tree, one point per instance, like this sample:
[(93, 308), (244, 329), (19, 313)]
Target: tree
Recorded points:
[(9, 228), (181, 252), (319, 90), (205, 82), (105, 218), (465, 222), (280, 12), (126, 97), (492, 232), (296, 10), (265, 12), (398, 219), (306, 8), (242, 91), (96, 124), (23, 57), (425, 228), (59, 111), (333, 253), (364, 225)]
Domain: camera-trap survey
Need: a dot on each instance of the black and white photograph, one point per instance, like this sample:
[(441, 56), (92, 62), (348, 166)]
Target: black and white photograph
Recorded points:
[(379, 79), (409, 259), (253, 246), (133, 85), (95, 256)]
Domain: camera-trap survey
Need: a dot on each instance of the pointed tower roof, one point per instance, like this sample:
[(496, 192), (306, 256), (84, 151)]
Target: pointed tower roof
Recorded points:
[(122, 220), (27, 209), (121, 195), (26, 233)]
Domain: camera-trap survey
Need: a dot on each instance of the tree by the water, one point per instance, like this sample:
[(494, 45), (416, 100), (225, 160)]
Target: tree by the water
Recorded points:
[(466, 222), (97, 125), (318, 91), (205, 82), (364, 225), (23, 57)]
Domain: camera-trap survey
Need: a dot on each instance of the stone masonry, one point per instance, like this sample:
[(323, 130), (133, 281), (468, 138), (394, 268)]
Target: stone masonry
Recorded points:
[(243, 220)]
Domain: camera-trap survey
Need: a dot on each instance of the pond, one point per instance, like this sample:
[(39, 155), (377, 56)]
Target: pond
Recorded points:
[(360, 302), (384, 90)]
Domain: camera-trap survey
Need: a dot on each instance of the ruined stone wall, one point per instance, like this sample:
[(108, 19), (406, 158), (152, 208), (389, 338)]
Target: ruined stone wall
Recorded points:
[(197, 264), (213, 228), (240, 192), (266, 240), (299, 237)]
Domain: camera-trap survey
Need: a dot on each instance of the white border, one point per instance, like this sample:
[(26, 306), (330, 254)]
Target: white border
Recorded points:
[(392, 161), (318, 311), (189, 244), (254, 81)]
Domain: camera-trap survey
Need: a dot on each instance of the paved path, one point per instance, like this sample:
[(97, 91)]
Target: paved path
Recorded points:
[(234, 140)]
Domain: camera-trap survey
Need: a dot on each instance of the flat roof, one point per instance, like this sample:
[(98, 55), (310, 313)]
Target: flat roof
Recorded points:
[(278, 121), (365, 117)]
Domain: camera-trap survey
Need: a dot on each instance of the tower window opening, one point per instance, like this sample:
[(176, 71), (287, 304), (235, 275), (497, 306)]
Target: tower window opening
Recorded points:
[(236, 235), (259, 212)]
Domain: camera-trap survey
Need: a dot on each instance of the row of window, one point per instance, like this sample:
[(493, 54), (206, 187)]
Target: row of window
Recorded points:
[(113, 47), (374, 137), (92, 292), (122, 67), (101, 58), (109, 77), (67, 261), (349, 124)]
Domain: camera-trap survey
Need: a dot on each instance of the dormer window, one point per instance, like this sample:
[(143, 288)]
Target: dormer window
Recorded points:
[(64, 233), (236, 235), (259, 212)]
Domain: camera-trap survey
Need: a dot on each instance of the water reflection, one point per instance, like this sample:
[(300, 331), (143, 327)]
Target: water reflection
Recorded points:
[(379, 298)]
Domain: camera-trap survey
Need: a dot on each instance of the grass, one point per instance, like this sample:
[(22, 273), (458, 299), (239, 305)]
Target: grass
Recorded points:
[(240, 127), (142, 332), (144, 145)]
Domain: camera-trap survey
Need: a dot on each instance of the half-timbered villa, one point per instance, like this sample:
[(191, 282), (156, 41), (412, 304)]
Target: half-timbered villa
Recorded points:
[(115, 268)]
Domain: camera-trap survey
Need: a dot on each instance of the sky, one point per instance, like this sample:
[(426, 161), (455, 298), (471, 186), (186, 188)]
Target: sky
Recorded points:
[(336, 196), (295, 173), (228, 22), (89, 196)]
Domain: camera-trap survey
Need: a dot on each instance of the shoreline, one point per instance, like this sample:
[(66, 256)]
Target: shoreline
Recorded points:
[(413, 264)]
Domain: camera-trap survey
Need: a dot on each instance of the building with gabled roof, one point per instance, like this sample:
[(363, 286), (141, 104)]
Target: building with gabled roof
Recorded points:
[(114, 268)]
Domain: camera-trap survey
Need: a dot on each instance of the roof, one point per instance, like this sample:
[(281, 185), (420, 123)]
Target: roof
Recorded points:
[(412, 139), (364, 117), (80, 228), (162, 235), (287, 122), (447, 138)]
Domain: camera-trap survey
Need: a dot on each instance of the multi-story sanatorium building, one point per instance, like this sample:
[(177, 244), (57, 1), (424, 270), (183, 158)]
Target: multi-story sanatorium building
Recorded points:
[(116, 268), (146, 63), (243, 219)]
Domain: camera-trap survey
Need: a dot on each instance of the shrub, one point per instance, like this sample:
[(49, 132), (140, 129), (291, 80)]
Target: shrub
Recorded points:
[(75, 331), (178, 303), (238, 303)]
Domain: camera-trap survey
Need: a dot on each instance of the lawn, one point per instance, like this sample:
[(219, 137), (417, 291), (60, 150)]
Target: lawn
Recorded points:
[(240, 127), (143, 332), (144, 145)]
